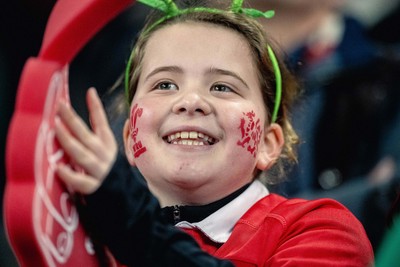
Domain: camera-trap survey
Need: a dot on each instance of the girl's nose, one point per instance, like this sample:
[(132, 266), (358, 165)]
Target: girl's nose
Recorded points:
[(192, 103)]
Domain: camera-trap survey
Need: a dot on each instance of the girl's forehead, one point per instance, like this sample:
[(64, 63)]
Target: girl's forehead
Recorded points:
[(198, 39), (199, 30), (201, 51)]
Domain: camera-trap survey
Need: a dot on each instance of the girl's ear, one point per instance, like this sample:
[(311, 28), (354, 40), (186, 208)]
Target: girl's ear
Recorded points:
[(128, 144), (270, 146)]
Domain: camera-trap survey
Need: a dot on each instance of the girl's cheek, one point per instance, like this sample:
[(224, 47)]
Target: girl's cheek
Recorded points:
[(135, 116), (250, 132)]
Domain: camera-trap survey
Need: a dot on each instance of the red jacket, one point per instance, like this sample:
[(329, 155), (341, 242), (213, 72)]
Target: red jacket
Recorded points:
[(293, 232)]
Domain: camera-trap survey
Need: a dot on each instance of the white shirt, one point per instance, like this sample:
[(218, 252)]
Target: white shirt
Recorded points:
[(218, 226)]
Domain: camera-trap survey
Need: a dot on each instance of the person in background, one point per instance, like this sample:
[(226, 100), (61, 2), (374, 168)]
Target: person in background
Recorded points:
[(349, 105)]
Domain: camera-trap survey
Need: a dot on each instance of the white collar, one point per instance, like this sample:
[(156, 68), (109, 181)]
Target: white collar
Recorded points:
[(218, 226)]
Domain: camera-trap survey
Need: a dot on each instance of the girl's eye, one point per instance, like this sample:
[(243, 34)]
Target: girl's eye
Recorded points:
[(166, 86), (221, 88)]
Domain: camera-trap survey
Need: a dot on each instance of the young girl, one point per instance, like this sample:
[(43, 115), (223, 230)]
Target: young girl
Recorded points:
[(207, 118)]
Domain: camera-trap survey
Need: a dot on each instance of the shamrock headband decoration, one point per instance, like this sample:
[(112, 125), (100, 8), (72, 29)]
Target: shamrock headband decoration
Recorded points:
[(170, 9)]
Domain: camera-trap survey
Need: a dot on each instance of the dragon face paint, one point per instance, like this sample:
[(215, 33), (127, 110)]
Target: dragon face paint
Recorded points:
[(250, 132), (137, 147)]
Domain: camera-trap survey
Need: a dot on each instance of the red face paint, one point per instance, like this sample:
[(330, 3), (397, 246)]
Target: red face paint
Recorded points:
[(251, 132), (138, 148)]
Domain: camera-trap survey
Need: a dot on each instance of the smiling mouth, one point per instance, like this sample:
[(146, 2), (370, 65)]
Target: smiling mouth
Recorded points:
[(191, 138)]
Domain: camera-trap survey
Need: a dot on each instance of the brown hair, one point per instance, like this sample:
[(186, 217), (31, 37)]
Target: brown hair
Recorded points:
[(258, 41)]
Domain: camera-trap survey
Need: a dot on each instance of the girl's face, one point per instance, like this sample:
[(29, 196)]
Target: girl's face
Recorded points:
[(197, 128)]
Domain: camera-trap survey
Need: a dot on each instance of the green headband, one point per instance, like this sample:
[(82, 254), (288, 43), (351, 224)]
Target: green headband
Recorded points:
[(171, 10)]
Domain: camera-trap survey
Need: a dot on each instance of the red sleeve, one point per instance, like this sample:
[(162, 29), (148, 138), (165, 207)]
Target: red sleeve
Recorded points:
[(319, 233)]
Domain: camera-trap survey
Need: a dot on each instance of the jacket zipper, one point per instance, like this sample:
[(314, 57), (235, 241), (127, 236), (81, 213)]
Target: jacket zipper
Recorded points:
[(177, 214)]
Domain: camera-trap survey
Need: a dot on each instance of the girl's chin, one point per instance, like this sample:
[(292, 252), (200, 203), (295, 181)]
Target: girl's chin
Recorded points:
[(189, 179)]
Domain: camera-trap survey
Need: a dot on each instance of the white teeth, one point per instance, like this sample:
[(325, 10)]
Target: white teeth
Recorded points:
[(184, 134), (188, 143), (193, 135), (191, 138)]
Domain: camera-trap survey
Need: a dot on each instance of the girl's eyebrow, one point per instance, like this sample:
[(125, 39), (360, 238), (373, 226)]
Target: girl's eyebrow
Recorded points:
[(212, 70), (227, 73), (174, 69)]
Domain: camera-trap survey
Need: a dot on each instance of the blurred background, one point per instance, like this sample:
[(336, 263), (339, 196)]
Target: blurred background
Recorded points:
[(346, 55)]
